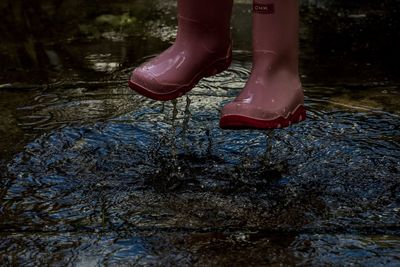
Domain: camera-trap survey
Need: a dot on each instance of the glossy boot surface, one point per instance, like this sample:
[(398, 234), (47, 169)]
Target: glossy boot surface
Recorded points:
[(202, 48), (273, 95)]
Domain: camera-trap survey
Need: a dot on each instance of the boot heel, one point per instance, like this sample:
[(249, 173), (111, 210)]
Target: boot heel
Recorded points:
[(299, 116), (219, 66)]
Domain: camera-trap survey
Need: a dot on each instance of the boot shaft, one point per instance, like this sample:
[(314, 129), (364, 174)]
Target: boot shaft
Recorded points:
[(275, 33), (207, 19), (209, 12)]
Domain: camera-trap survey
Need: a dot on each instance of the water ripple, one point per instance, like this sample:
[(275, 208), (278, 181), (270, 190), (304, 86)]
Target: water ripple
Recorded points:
[(109, 160)]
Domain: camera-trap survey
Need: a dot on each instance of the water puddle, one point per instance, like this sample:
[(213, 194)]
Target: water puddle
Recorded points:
[(108, 161)]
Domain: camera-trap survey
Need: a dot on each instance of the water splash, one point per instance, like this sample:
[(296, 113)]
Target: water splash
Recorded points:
[(173, 133), (185, 124), (269, 134)]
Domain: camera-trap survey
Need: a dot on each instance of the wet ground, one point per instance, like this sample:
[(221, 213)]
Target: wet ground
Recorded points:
[(93, 174)]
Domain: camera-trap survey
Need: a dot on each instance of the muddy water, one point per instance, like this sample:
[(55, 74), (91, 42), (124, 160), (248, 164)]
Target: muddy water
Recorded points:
[(93, 174)]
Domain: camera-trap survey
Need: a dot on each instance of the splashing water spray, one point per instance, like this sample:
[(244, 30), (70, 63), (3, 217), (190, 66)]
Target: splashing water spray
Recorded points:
[(185, 124), (269, 137), (174, 151)]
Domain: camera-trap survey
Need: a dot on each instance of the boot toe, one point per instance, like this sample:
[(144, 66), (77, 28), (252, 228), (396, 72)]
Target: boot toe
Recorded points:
[(145, 80), (146, 84)]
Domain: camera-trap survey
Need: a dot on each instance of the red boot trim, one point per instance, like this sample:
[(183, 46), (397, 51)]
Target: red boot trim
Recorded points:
[(243, 122)]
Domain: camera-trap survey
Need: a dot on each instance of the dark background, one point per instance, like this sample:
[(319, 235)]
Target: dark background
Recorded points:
[(45, 41)]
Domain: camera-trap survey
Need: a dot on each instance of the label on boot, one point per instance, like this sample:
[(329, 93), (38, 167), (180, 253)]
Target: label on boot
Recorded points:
[(264, 8)]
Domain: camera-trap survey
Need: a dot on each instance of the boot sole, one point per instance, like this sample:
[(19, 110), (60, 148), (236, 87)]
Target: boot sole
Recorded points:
[(242, 122), (217, 67)]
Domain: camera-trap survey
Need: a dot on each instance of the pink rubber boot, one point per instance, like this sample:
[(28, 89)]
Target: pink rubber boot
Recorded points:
[(273, 96), (202, 48)]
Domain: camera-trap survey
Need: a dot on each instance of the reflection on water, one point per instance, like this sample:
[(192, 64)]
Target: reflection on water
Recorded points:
[(93, 174)]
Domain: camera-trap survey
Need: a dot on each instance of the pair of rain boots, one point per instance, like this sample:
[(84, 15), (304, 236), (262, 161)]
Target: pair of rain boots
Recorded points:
[(273, 95)]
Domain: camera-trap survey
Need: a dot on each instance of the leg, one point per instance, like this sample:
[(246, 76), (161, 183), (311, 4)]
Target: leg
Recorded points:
[(202, 48), (273, 96)]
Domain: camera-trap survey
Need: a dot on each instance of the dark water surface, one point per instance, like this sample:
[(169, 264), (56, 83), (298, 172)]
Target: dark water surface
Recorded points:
[(93, 174)]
